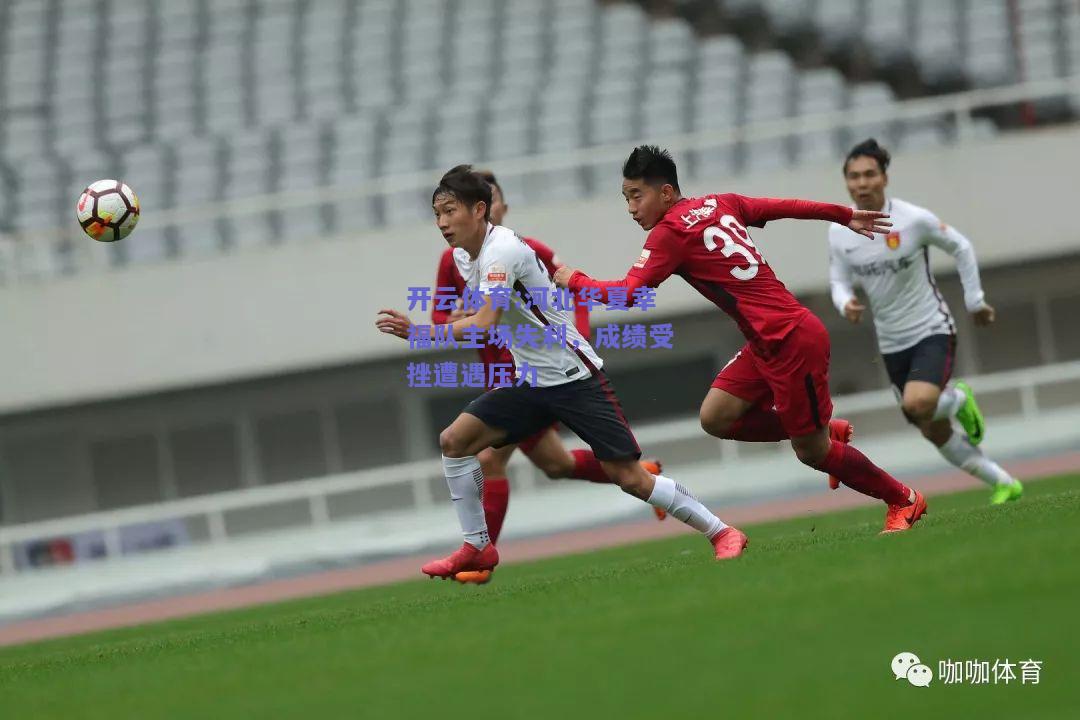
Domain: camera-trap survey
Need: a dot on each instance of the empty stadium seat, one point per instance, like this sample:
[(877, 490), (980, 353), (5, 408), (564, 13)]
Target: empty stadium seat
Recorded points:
[(819, 92), (230, 99)]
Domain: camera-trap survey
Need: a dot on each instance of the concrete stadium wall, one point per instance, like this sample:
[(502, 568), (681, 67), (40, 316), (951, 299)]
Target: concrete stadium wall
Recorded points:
[(311, 305)]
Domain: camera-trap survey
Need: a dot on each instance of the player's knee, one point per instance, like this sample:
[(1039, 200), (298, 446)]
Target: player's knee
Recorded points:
[(812, 455), (453, 443), (715, 424), (919, 409)]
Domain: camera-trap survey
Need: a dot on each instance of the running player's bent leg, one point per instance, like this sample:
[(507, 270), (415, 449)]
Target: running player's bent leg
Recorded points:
[(738, 405), (798, 374), (460, 443), (932, 407), (592, 411), (496, 418)]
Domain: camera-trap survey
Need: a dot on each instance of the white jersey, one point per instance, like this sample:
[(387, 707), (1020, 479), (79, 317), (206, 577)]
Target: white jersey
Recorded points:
[(505, 260), (894, 270)]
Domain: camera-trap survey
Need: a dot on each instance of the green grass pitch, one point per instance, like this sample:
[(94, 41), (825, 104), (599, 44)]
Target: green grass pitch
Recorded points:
[(804, 625)]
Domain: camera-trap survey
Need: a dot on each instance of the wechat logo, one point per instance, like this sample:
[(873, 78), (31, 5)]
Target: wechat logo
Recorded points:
[(906, 665)]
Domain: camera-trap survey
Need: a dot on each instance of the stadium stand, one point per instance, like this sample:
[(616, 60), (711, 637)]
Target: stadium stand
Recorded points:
[(984, 43), (197, 101)]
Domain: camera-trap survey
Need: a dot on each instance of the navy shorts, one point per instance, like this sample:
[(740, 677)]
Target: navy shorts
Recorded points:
[(929, 360), (588, 407)]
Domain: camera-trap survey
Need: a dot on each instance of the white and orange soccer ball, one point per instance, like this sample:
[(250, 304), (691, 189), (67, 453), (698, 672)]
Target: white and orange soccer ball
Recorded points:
[(108, 210)]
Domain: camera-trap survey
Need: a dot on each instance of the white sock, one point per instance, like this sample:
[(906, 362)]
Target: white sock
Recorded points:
[(961, 453), (948, 403), (681, 504), (466, 482)]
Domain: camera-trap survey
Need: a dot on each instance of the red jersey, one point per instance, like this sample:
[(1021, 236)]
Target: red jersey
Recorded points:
[(705, 241), (448, 276)]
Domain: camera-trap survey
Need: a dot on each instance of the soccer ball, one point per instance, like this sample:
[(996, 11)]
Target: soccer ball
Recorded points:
[(108, 210)]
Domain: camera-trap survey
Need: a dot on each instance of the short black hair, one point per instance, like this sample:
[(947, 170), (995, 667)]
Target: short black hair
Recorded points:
[(489, 178), (467, 186), (869, 148), (652, 164)]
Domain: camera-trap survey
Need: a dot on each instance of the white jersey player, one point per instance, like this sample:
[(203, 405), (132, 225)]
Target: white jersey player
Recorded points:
[(570, 386), (507, 262), (915, 329)]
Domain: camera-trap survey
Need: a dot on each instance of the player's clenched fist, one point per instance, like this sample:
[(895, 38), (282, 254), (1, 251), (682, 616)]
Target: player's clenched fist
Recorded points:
[(853, 310), (984, 315), (392, 322), (562, 276)]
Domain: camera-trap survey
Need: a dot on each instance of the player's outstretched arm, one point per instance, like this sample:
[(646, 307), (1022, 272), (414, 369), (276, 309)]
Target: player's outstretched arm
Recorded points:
[(758, 211), (662, 254)]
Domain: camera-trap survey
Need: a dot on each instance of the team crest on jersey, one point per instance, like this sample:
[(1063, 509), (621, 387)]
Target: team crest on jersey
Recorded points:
[(893, 240), (496, 273), (643, 258)]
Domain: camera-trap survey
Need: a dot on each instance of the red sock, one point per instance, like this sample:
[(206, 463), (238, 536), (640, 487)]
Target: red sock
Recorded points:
[(496, 500), (757, 425), (587, 467), (852, 468)]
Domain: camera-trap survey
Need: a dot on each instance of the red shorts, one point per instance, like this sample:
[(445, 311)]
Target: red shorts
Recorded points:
[(794, 380)]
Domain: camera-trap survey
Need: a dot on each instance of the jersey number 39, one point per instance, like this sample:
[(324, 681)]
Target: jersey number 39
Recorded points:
[(741, 245)]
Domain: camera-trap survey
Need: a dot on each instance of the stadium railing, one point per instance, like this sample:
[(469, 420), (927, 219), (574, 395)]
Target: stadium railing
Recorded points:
[(957, 108), (423, 476)]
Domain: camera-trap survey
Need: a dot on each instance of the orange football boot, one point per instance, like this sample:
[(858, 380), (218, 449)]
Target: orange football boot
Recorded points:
[(902, 517), (653, 466), (840, 431), (467, 557), (474, 577)]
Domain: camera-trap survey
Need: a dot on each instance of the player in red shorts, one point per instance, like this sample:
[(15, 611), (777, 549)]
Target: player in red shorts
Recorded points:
[(777, 386), (544, 449)]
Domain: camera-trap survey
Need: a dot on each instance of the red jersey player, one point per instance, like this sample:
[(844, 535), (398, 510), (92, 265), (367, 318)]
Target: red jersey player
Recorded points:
[(777, 386), (544, 449)]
